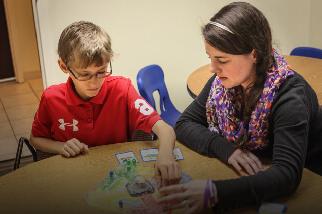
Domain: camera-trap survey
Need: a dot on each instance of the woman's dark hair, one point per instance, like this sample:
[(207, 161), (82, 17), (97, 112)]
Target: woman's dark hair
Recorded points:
[(250, 31)]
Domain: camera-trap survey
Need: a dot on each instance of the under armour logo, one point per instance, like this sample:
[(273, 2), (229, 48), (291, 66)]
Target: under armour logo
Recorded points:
[(63, 124)]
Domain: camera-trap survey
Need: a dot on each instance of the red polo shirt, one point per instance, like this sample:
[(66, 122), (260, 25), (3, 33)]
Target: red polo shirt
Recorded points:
[(109, 117)]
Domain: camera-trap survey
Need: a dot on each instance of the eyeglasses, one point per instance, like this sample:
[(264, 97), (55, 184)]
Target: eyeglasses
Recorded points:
[(85, 77)]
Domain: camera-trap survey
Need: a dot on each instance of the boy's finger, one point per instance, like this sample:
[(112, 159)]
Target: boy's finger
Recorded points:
[(65, 154), (85, 148), (171, 174), (164, 175), (177, 174), (69, 151), (74, 147), (78, 144)]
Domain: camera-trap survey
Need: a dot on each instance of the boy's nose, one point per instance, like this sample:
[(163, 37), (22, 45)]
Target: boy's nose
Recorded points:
[(94, 81)]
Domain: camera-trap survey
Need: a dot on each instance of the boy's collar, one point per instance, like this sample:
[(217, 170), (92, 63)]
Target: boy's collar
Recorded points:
[(74, 100)]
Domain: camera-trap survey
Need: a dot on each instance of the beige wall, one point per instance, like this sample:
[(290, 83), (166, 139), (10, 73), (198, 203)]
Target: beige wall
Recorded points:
[(163, 32), (22, 38), (316, 25)]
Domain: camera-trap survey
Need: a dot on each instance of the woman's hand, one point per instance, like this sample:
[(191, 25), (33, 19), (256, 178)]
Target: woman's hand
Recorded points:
[(167, 170), (189, 196), (245, 162), (73, 148)]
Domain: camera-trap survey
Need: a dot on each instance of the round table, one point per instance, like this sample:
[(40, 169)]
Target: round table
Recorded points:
[(309, 68), (60, 185)]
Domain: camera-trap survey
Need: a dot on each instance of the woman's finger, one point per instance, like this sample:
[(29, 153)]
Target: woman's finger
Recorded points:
[(245, 165), (179, 188), (256, 160), (236, 166), (194, 208), (177, 204), (172, 198), (251, 162)]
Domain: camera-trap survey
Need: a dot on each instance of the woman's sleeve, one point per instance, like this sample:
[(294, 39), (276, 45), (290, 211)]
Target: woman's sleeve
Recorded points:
[(290, 121), (192, 129)]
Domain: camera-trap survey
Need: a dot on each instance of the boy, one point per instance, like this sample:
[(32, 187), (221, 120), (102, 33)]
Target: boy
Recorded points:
[(93, 108)]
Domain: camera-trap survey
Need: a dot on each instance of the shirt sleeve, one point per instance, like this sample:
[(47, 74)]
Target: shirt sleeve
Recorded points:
[(142, 115), (192, 129), (290, 133), (41, 124)]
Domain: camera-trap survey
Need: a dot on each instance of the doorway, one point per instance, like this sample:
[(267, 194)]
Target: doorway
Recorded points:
[(6, 66)]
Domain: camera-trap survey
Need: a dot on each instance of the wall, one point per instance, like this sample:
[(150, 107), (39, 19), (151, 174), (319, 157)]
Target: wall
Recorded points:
[(315, 26), (23, 40), (164, 32)]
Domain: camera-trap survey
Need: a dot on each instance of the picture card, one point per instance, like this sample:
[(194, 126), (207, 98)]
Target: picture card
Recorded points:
[(125, 156)]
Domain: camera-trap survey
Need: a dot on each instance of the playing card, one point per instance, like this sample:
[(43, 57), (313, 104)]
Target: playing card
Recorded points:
[(149, 154), (178, 154), (152, 154), (125, 156)]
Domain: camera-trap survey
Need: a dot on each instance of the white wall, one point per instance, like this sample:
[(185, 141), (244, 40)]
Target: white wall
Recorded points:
[(316, 25), (163, 32)]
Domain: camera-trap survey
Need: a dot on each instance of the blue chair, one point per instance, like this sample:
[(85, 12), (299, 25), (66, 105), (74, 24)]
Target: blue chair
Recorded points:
[(150, 79), (307, 52)]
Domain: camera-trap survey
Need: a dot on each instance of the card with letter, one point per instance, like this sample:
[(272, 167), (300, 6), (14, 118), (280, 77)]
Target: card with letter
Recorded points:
[(125, 156)]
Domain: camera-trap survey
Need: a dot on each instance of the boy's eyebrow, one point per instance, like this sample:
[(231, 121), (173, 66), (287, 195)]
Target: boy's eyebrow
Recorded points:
[(85, 71)]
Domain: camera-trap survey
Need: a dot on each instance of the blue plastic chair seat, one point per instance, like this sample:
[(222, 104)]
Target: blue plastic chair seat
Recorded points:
[(307, 52)]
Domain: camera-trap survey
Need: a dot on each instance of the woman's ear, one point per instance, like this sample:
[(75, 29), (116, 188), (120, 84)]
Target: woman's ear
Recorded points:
[(253, 55), (62, 65)]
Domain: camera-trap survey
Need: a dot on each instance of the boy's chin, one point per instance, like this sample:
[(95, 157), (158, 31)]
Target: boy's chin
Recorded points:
[(90, 95)]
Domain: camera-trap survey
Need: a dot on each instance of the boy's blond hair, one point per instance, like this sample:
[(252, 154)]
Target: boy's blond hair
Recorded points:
[(83, 43)]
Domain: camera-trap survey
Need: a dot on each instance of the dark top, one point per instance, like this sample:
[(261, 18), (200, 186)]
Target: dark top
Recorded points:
[(295, 141)]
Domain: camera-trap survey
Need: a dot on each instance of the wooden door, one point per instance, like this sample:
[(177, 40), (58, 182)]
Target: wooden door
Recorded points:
[(6, 67)]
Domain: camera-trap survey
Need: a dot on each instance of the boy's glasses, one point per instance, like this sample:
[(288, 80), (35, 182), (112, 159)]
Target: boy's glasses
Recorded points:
[(86, 77)]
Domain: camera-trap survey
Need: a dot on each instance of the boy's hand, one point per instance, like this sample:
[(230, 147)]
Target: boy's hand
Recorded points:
[(167, 170), (73, 148)]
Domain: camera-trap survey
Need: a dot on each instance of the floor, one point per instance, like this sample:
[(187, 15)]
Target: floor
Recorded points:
[(18, 104)]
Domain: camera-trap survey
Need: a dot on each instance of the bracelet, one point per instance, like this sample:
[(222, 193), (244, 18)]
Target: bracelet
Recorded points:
[(210, 195)]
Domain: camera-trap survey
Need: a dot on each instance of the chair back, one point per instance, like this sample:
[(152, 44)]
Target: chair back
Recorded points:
[(307, 52), (21, 142), (151, 79)]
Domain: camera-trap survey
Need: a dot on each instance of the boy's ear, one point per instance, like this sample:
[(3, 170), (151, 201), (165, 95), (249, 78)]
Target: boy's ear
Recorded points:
[(62, 65)]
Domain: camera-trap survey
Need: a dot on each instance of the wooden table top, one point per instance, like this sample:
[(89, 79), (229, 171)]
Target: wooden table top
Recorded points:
[(59, 185), (309, 68)]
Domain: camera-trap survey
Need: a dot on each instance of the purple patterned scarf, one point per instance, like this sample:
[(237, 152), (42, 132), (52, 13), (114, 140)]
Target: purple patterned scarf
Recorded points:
[(223, 106)]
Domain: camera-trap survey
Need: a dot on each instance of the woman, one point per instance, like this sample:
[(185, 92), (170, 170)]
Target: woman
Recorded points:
[(254, 107)]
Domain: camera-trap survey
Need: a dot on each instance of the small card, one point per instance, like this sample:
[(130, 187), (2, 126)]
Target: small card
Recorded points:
[(152, 154), (149, 154), (178, 154), (125, 156)]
